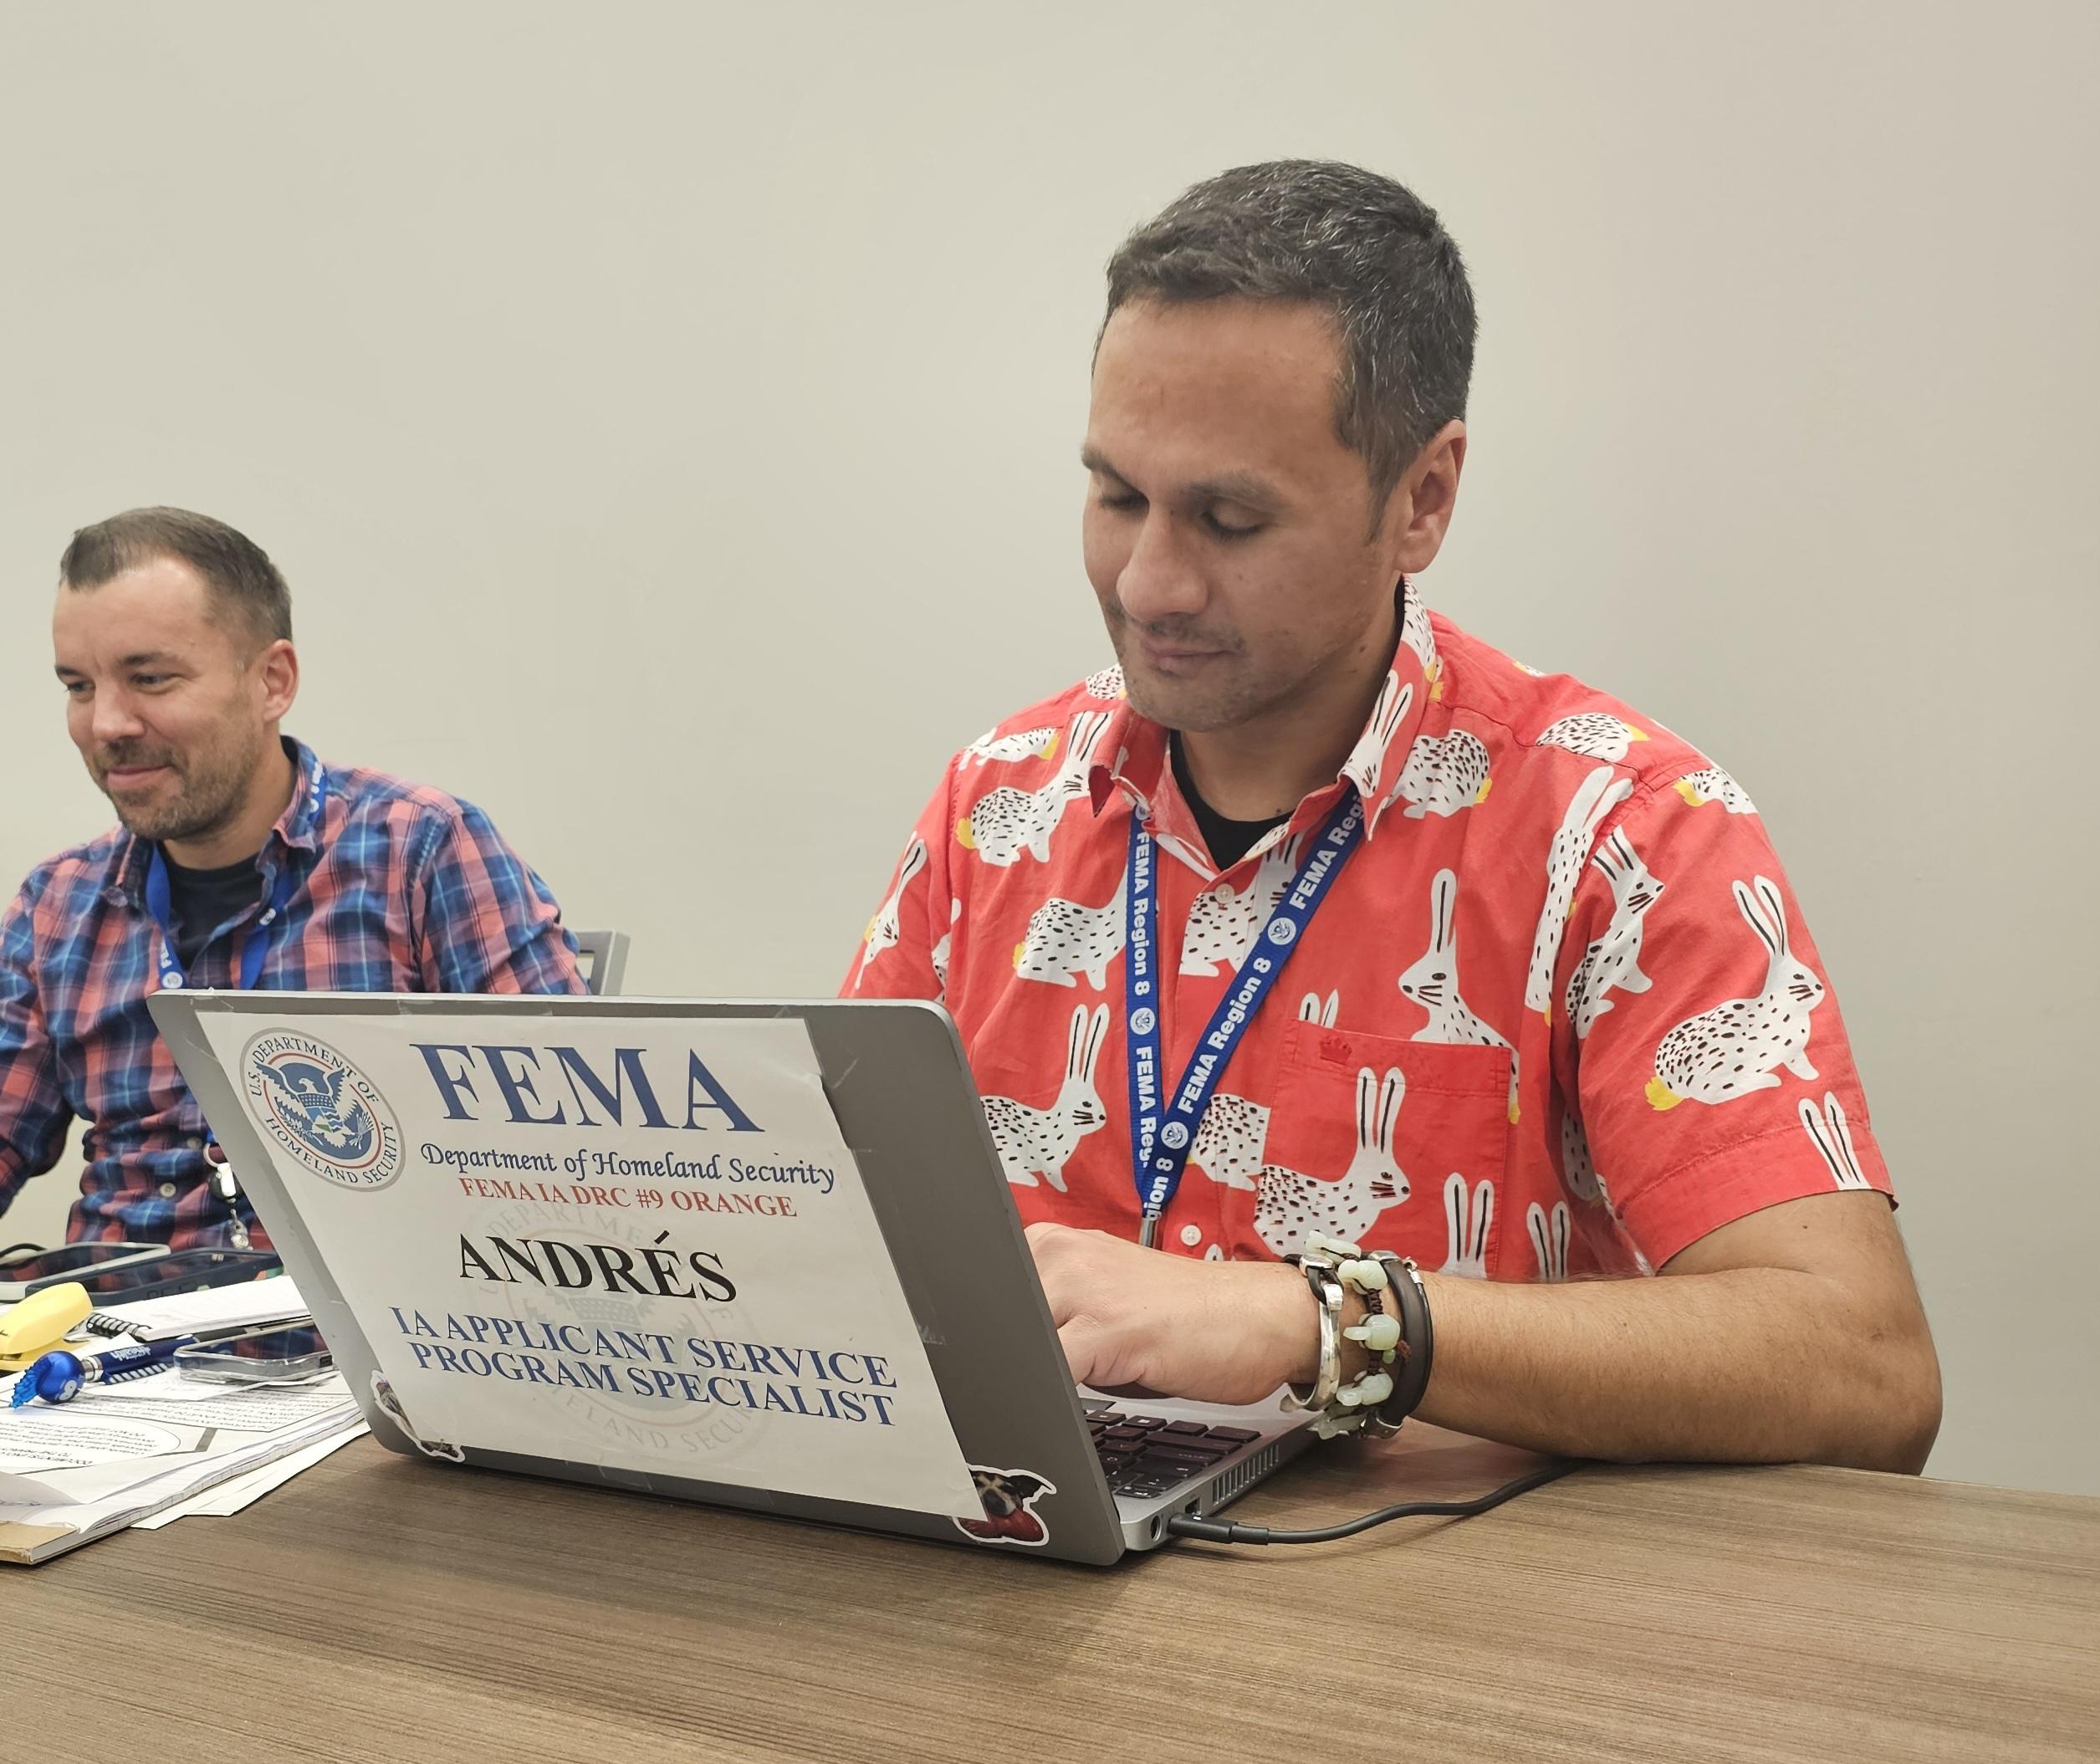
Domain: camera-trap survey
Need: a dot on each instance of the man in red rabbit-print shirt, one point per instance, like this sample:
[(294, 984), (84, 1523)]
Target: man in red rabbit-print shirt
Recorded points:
[(1557, 1016)]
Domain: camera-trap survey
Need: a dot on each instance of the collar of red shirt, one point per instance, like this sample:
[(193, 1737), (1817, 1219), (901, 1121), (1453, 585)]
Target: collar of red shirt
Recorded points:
[(299, 827), (1135, 764)]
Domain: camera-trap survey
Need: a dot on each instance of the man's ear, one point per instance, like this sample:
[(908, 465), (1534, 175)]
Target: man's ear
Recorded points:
[(1417, 513), (276, 666)]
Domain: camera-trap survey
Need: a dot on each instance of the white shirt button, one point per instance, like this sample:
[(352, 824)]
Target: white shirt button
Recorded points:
[(194, 1143), (167, 1190), (1192, 1235)]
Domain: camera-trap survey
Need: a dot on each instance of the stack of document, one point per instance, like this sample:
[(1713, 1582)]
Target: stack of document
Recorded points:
[(122, 1454)]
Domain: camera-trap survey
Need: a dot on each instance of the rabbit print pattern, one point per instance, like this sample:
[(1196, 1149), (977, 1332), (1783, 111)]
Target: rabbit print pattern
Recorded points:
[(1468, 1217), (885, 929), (1578, 1169), (1836, 1146), (1550, 1234), (1232, 1137), (1224, 921), (1450, 934), (1006, 823), (1595, 798), (1027, 743), (1713, 784), (1614, 960), (1039, 1141), (1287, 1206), (1416, 634), (1444, 775), (1366, 760), (1586, 1182), (1595, 734), (1231, 1141), (942, 952), (1741, 1045), (1066, 938), (1432, 983)]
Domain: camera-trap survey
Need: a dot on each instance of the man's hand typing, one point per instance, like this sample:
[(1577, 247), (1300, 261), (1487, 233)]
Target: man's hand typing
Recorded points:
[(1134, 1318)]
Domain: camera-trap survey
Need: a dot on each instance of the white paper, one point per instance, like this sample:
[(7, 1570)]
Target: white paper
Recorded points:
[(43, 1438), (488, 1207), (237, 1492), (97, 1499), (249, 1409), (100, 1481)]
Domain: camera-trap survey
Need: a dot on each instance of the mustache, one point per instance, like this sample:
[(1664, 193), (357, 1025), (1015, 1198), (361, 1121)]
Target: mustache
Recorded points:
[(120, 755), (1176, 629)]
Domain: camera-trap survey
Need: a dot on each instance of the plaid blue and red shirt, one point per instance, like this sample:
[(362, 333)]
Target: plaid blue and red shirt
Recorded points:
[(396, 888)]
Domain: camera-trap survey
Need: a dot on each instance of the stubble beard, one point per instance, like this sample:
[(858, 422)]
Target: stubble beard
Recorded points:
[(1245, 694), (208, 798), (1192, 706)]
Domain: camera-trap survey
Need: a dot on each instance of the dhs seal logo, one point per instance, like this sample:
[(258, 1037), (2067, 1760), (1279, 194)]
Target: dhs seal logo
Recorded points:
[(1281, 931), (1173, 1135), (1141, 1020), (314, 1105)]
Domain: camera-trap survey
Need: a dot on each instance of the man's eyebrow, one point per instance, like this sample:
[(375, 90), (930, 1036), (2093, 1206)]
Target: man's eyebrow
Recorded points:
[(137, 658), (1240, 487), (1094, 460)]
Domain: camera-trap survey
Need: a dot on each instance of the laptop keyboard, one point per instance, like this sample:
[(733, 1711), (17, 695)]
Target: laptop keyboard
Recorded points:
[(1143, 1455)]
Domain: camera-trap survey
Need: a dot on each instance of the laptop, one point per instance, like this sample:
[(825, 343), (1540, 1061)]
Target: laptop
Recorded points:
[(1056, 1472)]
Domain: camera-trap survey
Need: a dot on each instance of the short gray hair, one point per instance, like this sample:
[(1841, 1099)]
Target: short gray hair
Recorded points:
[(238, 572), (1367, 250)]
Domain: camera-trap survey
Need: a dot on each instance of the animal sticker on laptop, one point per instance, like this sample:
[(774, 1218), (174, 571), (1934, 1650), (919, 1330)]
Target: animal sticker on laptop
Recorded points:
[(1009, 1497)]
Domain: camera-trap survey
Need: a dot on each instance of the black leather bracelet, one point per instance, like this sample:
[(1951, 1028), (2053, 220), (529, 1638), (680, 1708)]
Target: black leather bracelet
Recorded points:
[(1418, 1334)]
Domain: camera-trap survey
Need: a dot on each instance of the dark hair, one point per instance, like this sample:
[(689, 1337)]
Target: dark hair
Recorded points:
[(238, 570), (1366, 249)]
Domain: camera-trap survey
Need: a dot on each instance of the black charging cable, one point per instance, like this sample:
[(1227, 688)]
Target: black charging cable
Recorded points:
[(1224, 1530)]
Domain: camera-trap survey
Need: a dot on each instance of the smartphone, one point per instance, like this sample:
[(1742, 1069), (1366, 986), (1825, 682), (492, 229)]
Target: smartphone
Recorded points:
[(175, 1270), (278, 1355), (28, 1270)]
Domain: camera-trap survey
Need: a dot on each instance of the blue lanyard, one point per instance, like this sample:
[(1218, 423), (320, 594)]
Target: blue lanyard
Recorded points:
[(1162, 1125), (160, 903), (255, 947)]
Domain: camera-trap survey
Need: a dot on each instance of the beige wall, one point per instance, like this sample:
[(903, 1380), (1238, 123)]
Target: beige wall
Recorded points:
[(666, 416)]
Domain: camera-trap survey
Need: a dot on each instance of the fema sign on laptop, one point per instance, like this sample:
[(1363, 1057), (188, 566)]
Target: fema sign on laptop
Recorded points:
[(631, 1242), (319, 1107)]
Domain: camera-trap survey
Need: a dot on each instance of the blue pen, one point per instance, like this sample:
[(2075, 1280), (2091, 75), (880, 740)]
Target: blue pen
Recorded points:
[(60, 1377)]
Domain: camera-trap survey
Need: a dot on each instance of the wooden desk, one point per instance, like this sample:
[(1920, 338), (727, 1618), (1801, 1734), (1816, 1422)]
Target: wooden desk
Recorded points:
[(383, 1609)]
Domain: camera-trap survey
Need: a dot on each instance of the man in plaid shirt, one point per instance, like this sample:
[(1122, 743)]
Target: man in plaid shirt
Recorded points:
[(241, 860)]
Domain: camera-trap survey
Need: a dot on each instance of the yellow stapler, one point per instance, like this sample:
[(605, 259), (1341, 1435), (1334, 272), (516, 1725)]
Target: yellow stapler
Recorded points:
[(40, 1322)]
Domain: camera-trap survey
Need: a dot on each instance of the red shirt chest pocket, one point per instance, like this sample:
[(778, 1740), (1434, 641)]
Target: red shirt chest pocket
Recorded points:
[(1373, 1139)]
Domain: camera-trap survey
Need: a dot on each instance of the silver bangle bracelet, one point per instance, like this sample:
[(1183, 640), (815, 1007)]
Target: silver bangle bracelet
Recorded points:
[(1327, 1292)]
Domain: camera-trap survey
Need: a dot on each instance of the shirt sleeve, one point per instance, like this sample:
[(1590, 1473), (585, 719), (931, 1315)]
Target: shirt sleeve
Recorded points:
[(909, 945), (1710, 1067), (34, 1114), (488, 923)]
